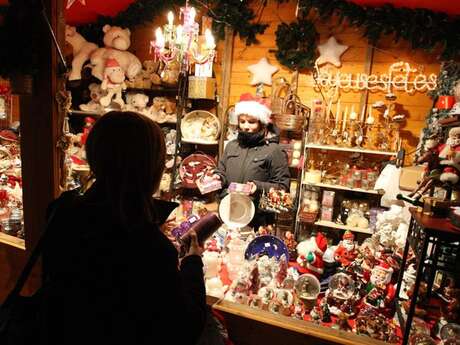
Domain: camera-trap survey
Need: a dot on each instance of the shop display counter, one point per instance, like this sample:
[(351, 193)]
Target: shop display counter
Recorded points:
[(301, 327)]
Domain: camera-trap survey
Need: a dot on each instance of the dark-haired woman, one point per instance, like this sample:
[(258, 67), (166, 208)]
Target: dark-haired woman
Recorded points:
[(112, 276), (255, 157)]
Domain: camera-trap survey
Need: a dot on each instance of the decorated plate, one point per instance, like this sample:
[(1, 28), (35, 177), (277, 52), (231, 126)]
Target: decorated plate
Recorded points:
[(266, 245)]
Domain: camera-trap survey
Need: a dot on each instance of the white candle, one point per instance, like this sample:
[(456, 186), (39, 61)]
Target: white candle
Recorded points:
[(344, 122), (353, 115), (337, 115), (363, 113), (170, 19), (159, 38)]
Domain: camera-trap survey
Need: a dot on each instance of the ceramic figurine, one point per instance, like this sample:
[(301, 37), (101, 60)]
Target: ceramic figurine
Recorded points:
[(325, 312), (310, 255), (380, 291), (315, 314), (346, 252)]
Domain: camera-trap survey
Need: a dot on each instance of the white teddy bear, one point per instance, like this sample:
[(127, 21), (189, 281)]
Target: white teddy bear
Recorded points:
[(82, 50), (137, 102), (117, 41)]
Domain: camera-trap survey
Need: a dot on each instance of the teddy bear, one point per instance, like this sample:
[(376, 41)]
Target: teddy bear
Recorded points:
[(95, 93), (137, 102), (114, 82), (116, 40), (158, 109), (149, 73), (170, 73), (81, 48)]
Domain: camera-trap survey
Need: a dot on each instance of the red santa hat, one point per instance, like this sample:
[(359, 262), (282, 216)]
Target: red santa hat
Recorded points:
[(348, 235), (253, 106), (384, 266), (321, 242), (111, 63)]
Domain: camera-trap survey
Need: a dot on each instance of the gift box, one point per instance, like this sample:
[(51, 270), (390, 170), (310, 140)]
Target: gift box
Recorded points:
[(201, 87)]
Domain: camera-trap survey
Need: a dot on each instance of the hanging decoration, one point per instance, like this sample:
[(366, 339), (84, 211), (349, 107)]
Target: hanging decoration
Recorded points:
[(330, 52), (294, 42), (422, 28), (71, 2), (181, 42), (235, 13), (262, 74), (401, 76)]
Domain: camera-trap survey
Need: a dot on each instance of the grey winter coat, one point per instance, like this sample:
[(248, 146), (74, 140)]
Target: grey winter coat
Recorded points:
[(264, 164)]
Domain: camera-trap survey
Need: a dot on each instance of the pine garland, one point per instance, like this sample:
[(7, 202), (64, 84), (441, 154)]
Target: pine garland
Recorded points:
[(235, 13), (294, 42), (422, 28)]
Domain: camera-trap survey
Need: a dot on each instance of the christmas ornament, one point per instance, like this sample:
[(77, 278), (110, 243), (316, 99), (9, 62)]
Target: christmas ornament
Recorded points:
[(71, 2), (330, 52), (262, 72)]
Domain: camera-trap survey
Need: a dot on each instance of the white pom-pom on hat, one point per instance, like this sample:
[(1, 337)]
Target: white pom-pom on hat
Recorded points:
[(253, 106)]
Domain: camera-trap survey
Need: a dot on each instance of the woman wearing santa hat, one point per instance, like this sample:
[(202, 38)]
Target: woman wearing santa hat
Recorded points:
[(255, 157)]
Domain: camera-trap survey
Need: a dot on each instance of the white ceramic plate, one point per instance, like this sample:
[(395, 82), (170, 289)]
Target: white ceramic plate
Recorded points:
[(236, 210)]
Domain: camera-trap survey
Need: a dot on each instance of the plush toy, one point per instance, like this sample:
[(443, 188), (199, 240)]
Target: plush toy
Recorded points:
[(149, 73), (95, 93), (113, 82), (346, 251), (170, 74), (158, 109), (137, 102), (82, 50), (116, 40), (310, 255)]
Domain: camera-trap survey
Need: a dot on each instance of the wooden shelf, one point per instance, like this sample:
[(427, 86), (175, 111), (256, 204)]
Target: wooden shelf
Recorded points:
[(342, 227), (349, 149), (295, 325), (154, 89), (85, 113), (335, 186), (12, 241)]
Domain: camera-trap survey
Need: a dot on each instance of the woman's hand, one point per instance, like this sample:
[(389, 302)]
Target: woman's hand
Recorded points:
[(217, 177), (195, 248)]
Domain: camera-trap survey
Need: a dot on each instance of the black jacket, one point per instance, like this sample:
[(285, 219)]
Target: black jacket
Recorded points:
[(105, 284), (265, 164)]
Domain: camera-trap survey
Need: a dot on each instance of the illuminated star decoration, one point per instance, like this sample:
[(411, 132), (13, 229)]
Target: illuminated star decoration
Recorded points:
[(330, 52), (262, 72), (71, 2)]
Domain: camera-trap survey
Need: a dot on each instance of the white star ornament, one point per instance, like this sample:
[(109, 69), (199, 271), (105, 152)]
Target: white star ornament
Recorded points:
[(330, 52), (262, 72)]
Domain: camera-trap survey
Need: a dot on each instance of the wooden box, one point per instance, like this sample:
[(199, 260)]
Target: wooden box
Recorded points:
[(201, 87)]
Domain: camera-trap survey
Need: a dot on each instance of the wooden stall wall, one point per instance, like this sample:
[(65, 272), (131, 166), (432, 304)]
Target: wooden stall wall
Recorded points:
[(353, 60)]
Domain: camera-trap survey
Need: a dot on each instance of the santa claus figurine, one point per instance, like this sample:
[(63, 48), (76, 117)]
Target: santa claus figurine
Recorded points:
[(380, 291), (310, 255), (346, 251), (449, 156)]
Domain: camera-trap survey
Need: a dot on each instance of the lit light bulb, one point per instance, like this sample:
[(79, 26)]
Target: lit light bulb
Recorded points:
[(192, 14), (210, 42), (170, 18), (179, 34), (159, 38)]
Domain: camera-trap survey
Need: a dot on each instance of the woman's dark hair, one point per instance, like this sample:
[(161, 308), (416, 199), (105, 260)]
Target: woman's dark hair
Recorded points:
[(126, 153)]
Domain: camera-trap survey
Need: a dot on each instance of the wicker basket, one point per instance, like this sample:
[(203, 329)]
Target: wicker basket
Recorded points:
[(308, 217), (292, 115)]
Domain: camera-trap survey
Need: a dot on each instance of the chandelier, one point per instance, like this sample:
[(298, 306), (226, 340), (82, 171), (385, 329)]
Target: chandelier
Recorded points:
[(184, 44)]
